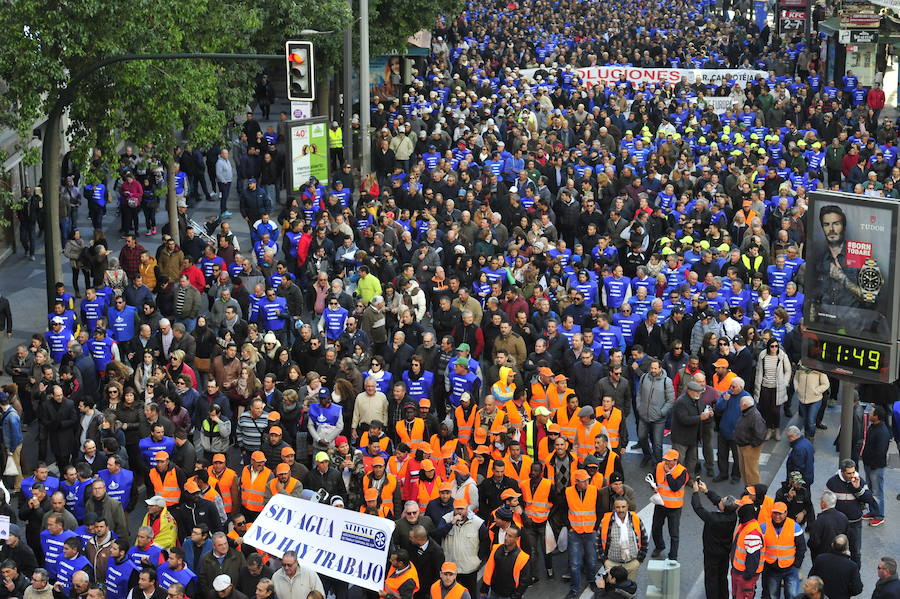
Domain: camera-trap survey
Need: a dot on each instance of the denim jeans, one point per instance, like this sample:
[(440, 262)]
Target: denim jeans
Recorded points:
[(224, 189), (875, 478), (773, 582), (582, 552), (650, 437), (808, 413)]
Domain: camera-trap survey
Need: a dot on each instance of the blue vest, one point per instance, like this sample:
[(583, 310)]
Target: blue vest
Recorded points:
[(67, 567), (149, 447), (610, 338), (58, 343), (117, 578), (615, 290), (459, 384), (118, 486), (329, 415), (53, 549), (96, 193), (75, 496), (778, 278), (270, 311), (153, 554), (167, 576), (419, 388), (334, 322), (52, 484), (121, 323), (101, 352), (91, 312)]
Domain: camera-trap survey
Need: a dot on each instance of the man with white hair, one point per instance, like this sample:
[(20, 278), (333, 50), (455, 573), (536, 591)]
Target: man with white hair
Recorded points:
[(749, 435), (828, 524)]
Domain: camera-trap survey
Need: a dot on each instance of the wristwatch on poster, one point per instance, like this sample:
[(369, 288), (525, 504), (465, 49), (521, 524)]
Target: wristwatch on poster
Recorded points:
[(870, 280)]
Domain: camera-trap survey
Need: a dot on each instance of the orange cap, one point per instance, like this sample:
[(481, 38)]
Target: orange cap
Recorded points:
[(445, 486), (745, 500), (509, 494), (581, 475), (257, 456), (448, 448), (560, 378), (779, 507), (286, 451), (191, 486), (371, 494), (424, 447), (544, 371), (273, 415), (424, 403), (282, 468), (553, 428), (461, 466), (161, 455), (276, 430), (378, 461), (427, 465), (218, 458), (448, 567), (460, 502), (482, 450), (721, 363), (672, 454), (481, 435)]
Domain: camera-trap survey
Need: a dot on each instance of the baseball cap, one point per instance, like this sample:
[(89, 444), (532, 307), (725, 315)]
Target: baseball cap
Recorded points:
[(57, 320), (461, 466), (257, 456), (445, 486), (541, 411), (157, 500), (221, 582), (427, 465), (779, 507), (552, 427), (560, 378), (672, 454), (218, 458), (460, 502), (371, 494), (286, 451), (322, 457), (276, 430), (694, 386), (482, 450), (616, 477), (591, 460), (161, 455), (448, 567), (378, 461), (463, 347), (544, 371), (721, 363), (509, 494), (282, 468), (582, 475), (424, 403), (460, 361), (273, 416)]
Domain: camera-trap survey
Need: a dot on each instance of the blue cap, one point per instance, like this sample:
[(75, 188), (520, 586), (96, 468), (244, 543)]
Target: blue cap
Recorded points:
[(323, 392), (249, 181)]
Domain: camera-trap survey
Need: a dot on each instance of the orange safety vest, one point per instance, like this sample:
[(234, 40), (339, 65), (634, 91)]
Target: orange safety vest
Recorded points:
[(210, 495), (584, 439), (224, 486), (383, 442), (611, 425), (537, 505), (558, 400), (670, 498), (765, 510), (779, 546), (582, 512), (539, 395), (521, 474), (610, 466), (428, 490), (168, 487), (514, 416), (521, 560), (381, 512), (253, 494), (544, 449), (234, 536), (607, 521), (288, 488), (551, 471), (465, 426), (393, 583), (568, 425), (455, 592), (418, 431), (739, 557), (397, 468), (387, 490), (721, 385)]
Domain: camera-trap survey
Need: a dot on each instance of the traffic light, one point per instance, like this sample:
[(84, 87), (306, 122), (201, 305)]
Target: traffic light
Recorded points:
[(301, 72)]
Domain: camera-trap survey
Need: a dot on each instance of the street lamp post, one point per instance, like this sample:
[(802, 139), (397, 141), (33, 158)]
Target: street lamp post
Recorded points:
[(364, 101)]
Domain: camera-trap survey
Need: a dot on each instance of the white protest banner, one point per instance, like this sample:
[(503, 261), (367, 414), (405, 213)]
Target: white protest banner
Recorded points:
[(340, 543), (599, 75)]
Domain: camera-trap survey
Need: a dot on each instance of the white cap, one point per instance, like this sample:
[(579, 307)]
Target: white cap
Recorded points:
[(221, 582), (57, 320), (158, 500)]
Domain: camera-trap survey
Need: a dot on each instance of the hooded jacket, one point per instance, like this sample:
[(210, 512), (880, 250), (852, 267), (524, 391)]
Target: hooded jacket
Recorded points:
[(656, 396)]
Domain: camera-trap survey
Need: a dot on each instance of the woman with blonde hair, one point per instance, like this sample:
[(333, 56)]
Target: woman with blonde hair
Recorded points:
[(245, 390)]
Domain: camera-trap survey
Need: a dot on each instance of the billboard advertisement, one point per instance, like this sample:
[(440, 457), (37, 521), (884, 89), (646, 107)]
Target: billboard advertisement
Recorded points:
[(309, 151), (851, 307)]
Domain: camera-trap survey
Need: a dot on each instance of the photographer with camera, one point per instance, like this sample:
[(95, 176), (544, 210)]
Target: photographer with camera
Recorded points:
[(614, 583)]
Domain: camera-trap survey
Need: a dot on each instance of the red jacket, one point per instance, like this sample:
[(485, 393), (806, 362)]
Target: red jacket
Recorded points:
[(303, 249), (195, 277), (875, 99)]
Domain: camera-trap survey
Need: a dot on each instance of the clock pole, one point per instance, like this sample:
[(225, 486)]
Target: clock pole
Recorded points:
[(845, 441)]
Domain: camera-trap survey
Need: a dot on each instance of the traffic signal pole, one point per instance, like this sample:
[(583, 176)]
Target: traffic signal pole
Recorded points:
[(51, 152), (364, 100)]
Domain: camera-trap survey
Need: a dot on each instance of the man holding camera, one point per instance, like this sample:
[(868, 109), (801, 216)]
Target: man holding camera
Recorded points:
[(615, 583)]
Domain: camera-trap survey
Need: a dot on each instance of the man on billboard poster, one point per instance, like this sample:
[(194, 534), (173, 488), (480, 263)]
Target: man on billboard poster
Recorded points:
[(847, 279)]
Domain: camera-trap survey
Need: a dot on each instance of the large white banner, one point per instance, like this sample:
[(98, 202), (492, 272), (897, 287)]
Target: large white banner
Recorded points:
[(332, 541), (600, 75)]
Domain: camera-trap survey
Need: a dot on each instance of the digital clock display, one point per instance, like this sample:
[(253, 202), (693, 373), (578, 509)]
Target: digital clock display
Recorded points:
[(847, 355)]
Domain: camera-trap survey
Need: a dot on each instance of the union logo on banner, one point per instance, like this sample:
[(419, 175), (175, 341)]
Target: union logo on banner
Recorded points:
[(858, 252)]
